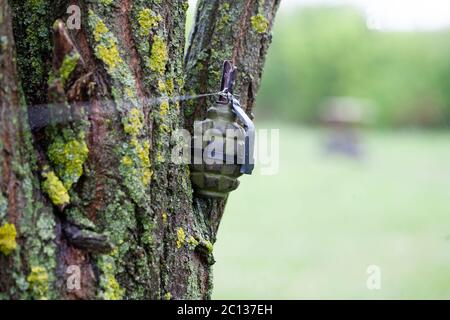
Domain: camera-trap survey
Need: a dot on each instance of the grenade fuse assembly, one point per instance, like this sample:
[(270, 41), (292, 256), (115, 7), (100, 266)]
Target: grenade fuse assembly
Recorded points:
[(223, 143)]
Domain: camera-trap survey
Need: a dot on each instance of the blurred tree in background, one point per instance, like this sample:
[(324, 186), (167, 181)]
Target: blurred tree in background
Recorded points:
[(322, 52)]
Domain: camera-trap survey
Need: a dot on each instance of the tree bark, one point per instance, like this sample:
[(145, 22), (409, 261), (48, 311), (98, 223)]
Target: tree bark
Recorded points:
[(86, 178)]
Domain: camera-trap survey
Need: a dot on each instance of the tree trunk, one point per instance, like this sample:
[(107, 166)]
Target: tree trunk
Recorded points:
[(88, 191)]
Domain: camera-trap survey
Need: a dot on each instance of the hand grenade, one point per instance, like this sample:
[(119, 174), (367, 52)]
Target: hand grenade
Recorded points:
[(223, 143)]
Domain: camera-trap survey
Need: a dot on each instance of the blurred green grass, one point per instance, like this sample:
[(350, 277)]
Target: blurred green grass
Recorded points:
[(312, 230)]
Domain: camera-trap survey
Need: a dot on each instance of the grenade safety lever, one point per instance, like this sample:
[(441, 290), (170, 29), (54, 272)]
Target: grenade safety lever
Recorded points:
[(249, 162), (226, 96)]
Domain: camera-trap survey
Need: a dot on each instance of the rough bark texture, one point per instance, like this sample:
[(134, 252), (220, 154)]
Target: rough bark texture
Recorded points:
[(86, 178)]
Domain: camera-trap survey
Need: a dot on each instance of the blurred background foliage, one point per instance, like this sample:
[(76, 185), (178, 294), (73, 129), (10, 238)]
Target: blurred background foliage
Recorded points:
[(320, 52)]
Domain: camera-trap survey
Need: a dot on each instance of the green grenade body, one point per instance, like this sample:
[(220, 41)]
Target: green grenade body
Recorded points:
[(216, 180)]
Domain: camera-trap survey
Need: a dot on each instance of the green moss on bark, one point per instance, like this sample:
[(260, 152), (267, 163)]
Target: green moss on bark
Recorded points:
[(67, 67), (110, 288), (32, 24)]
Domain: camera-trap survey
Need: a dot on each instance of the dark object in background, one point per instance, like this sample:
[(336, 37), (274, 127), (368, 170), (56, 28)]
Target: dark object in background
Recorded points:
[(345, 116), (220, 159)]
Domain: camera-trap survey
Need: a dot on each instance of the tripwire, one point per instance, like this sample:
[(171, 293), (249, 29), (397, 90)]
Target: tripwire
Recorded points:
[(43, 115)]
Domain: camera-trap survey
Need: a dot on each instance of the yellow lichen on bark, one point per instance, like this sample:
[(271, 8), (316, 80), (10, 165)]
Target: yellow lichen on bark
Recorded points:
[(8, 238)]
